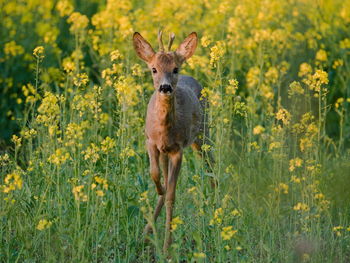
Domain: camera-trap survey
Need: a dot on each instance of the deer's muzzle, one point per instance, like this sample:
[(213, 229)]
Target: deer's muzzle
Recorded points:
[(166, 89)]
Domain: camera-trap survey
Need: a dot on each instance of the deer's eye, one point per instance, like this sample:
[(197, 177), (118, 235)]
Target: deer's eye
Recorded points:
[(176, 70), (154, 70)]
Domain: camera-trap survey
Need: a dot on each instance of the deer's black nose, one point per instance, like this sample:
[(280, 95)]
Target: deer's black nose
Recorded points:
[(165, 88)]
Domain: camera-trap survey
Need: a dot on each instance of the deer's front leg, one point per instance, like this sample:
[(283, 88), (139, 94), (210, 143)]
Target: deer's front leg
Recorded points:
[(153, 153), (175, 160)]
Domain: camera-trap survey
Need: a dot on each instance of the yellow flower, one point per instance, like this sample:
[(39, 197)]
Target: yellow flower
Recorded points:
[(59, 157), (295, 89), (206, 147), (253, 77), (301, 207), (192, 190), (304, 69), (293, 163), (144, 196), (108, 144), (92, 153), (272, 75), (345, 43), (321, 55), (101, 181), (339, 102), (175, 222), (64, 7), (115, 55), (337, 230), (38, 52), (217, 52), (284, 116), (274, 145), (79, 194), (282, 188), (43, 224), (100, 193), (12, 49), (305, 143), (337, 63), (227, 233), (232, 88), (235, 212), (16, 140), (199, 255), (319, 196), (81, 80), (217, 216), (137, 70), (258, 129), (78, 21), (127, 152), (295, 179), (205, 41), (13, 181)]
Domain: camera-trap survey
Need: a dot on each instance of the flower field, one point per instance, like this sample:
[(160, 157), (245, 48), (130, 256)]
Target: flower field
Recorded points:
[(74, 170)]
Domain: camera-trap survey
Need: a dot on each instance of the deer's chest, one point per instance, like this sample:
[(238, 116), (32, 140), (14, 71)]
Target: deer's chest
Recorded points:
[(165, 139)]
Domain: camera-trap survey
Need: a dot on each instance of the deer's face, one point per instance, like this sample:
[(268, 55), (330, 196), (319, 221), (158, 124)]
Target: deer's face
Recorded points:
[(165, 66), (165, 71)]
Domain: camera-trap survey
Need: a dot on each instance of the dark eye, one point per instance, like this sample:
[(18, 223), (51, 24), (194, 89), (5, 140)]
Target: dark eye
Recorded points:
[(154, 70), (176, 70)]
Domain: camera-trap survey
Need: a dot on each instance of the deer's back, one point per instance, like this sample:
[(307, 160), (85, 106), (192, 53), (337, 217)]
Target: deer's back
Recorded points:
[(188, 82)]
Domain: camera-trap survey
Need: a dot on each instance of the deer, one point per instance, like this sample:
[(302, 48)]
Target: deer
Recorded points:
[(174, 119)]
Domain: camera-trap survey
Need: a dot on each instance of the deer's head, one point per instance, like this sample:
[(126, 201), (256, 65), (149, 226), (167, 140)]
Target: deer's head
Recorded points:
[(165, 65)]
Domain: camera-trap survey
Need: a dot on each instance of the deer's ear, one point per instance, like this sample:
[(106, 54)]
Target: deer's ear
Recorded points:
[(187, 47), (143, 49)]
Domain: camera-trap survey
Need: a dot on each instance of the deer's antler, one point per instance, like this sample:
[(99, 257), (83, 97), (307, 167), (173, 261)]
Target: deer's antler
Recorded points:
[(160, 41), (171, 40)]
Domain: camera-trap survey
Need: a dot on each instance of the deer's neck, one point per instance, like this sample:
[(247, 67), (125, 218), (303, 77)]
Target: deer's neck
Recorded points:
[(165, 108)]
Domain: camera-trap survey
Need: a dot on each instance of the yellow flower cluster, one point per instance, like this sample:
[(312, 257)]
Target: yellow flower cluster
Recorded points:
[(108, 144), (282, 187), (59, 157), (78, 192), (74, 133), (127, 92), (12, 49), (175, 222), (12, 182), (79, 22), (217, 220), (92, 153), (293, 163), (227, 232), (16, 140), (99, 185), (38, 52), (43, 224), (217, 52), (64, 7), (301, 207), (49, 109), (284, 116), (258, 130)]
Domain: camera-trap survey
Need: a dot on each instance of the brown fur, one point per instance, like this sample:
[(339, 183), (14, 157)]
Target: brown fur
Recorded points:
[(173, 121)]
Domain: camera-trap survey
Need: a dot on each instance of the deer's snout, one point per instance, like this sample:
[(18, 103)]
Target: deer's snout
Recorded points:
[(165, 88)]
